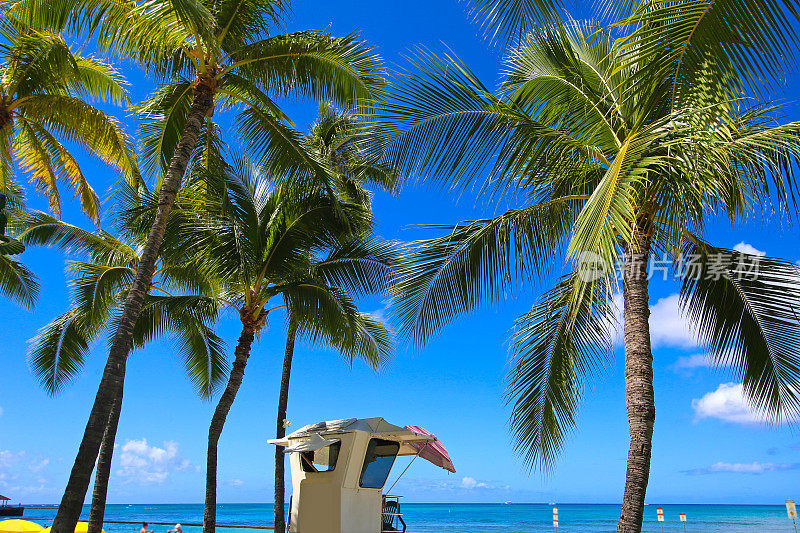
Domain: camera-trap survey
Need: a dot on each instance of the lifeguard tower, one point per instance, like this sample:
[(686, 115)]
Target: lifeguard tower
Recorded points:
[(339, 469)]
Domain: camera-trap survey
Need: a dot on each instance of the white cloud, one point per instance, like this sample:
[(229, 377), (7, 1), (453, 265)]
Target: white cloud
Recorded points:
[(744, 468), (9, 458), (697, 360), (727, 403), (667, 325), (745, 248), (236, 482), (36, 466), (150, 464), (471, 483)]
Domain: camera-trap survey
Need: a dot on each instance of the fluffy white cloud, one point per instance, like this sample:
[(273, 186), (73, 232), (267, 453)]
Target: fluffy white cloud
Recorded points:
[(727, 403), (745, 248), (667, 325), (149, 464), (471, 483), (744, 468), (236, 482)]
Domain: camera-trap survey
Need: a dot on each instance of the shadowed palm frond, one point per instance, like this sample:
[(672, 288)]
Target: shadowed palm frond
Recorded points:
[(445, 124), (360, 265), (508, 21), (36, 228), (18, 282), (476, 263), (57, 353), (746, 309)]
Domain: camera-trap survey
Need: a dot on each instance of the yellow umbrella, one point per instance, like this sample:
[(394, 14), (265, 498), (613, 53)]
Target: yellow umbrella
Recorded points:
[(19, 526), (80, 527)]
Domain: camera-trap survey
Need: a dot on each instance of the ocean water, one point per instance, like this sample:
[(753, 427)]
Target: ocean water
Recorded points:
[(470, 518)]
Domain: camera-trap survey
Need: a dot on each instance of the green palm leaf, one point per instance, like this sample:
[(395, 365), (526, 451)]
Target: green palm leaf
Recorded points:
[(556, 347), (18, 282), (58, 352)]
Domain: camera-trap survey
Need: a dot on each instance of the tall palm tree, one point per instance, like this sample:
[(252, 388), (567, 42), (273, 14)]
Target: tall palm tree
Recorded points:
[(345, 143), (183, 308), (611, 152), (45, 89), (261, 240), (210, 54)]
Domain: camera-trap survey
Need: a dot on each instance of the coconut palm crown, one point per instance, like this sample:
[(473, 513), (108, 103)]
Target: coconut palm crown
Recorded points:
[(46, 90)]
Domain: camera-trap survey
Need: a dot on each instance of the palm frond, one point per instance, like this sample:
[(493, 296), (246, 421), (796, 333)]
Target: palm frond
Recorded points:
[(58, 352), (316, 65), (18, 282), (553, 354), (36, 228), (476, 263), (76, 121), (509, 21), (746, 309)]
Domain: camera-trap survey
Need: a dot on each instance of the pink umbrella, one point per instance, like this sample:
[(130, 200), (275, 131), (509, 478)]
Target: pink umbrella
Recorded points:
[(433, 451)]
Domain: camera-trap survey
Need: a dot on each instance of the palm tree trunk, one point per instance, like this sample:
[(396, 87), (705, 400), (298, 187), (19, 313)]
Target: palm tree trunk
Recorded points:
[(98, 509), (639, 394), (241, 354), (283, 400), (114, 373)]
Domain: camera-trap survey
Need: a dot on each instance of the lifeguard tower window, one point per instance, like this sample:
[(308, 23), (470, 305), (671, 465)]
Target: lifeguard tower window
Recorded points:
[(322, 460), (378, 463)]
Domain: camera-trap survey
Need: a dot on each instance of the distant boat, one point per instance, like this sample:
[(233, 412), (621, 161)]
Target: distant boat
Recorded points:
[(507, 503), (10, 510)]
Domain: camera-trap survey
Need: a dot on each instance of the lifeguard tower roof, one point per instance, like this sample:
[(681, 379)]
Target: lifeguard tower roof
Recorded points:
[(413, 440), (4, 498)]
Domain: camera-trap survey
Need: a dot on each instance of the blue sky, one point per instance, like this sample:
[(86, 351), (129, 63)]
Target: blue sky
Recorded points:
[(707, 447)]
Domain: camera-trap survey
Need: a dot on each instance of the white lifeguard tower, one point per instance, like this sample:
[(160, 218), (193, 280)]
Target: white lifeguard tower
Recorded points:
[(339, 469)]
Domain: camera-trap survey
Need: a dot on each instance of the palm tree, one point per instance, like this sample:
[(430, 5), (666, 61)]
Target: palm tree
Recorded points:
[(183, 309), (210, 54), (262, 239), (44, 88), (611, 152), (344, 142)]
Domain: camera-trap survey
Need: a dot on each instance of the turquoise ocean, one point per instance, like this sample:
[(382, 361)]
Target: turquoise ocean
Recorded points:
[(470, 518)]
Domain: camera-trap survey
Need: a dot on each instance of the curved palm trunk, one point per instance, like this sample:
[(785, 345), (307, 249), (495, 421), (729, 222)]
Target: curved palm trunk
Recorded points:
[(98, 510), (639, 395), (283, 400), (242, 353), (114, 373)]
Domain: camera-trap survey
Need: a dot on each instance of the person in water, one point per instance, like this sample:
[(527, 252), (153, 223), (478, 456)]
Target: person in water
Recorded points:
[(144, 528), (177, 529)]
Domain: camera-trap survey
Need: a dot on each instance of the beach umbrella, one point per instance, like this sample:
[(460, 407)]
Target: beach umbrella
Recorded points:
[(19, 526), (80, 527)]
